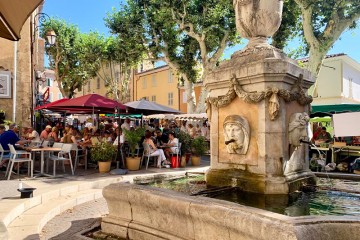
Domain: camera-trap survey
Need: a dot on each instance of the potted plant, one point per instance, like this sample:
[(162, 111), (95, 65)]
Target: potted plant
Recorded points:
[(198, 148), (103, 153), (133, 137), (185, 140)]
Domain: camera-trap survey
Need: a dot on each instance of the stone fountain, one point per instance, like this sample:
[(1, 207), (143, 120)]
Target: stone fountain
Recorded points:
[(259, 112), (259, 109)]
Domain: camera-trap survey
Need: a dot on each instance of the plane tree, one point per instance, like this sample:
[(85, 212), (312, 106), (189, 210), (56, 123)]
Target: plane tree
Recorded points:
[(73, 56), (189, 35)]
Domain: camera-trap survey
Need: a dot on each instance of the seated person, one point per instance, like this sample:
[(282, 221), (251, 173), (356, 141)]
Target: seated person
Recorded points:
[(316, 134), (10, 137), (324, 136), (68, 136), (53, 136), (33, 135), (107, 137), (172, 145), (161, 138), (154, 151), (86, 141), (120, 137), (356, 140)]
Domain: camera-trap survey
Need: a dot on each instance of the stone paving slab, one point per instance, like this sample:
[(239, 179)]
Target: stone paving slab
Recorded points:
[(73, 221)]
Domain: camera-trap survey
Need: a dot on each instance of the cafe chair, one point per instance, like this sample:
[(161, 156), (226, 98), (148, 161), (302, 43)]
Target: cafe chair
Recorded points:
[(4, 157), (53, 153), (63, 155), (147, 155), (79, 152), (19, 157)]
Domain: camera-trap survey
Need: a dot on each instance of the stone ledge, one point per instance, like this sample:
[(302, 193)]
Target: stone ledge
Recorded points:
[(139, 212)]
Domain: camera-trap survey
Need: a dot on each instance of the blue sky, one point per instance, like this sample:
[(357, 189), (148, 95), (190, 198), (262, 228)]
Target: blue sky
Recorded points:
[(89, 14)]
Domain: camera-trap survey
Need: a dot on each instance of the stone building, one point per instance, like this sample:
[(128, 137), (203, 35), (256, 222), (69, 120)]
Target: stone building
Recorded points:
[(18, 62)]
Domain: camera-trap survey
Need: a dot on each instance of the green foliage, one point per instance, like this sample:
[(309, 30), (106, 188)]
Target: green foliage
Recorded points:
[(182, 33), (185, 140), (133, 138), (103, 152), (199, 146), (75, 57), (8, 122), (290, 25)]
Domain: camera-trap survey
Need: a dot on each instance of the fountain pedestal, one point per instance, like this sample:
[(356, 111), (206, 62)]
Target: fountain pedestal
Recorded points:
[(264, 88)]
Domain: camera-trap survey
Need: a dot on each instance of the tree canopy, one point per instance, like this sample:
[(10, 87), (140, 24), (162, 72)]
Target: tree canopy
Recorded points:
[(74, 56), (185, 34)]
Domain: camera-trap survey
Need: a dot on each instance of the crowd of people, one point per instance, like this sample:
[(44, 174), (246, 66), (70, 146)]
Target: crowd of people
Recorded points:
[(160, 136)]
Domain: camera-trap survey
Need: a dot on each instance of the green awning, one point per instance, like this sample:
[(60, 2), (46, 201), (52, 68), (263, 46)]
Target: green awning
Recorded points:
[(327, 110)]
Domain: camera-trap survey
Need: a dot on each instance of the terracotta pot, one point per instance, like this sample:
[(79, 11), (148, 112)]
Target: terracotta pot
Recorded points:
[(133, 163), (187, 157), (104, 167), (195, 160), (183, 162)]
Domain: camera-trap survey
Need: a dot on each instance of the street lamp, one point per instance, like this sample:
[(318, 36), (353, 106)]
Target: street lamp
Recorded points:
[(37, 75)]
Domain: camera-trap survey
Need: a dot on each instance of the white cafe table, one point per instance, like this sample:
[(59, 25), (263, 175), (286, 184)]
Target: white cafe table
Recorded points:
[(42, 151)]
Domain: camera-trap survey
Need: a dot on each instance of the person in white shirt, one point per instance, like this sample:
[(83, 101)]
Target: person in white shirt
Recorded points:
[(204, 130), (119, 135), (126, 124), (172, 147), (33, 135)]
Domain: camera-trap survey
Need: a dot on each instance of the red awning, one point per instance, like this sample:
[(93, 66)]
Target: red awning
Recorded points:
[(88, 103), (45, 106)]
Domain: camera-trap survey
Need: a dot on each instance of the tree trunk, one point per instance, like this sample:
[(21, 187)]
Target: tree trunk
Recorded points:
[(201, 106), (190, 96)]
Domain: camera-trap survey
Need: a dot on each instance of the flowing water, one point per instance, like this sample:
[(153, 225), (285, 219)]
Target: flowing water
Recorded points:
[(326, 200)]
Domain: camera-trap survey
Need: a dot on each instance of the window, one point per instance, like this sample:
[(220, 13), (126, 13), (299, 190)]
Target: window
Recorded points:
[(144, 83), (170, 77), (89, 86), (153, 98), (60, 96), (49, 82), (170, 99), (98, 83), (146, 98), (153, 81)]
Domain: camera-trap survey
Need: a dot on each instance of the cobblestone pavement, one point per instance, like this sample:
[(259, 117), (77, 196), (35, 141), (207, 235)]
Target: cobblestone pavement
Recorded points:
[(73, 221)]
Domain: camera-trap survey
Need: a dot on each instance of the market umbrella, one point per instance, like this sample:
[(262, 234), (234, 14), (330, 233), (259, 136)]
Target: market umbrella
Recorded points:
[(87, 104), (146, 107), (328, 110), (13, 14), (45, 106)]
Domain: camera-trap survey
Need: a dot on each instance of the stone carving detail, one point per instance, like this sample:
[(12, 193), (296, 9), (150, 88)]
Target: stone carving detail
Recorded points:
[(298, 128), (237, 134), (274, 106), (257, 19), (296, 93)]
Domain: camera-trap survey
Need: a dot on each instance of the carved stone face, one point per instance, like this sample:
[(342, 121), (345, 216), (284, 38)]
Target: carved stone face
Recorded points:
[(236, 134), (298, 128)]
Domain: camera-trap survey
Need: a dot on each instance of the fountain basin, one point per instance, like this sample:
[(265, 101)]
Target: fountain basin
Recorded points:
[(143, 212)]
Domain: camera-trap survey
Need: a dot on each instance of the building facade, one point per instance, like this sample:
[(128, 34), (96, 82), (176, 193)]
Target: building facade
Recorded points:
[(158, 85), (338, 81)]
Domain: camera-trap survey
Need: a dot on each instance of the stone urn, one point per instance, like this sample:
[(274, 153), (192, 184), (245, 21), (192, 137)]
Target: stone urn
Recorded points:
[(257, 20)]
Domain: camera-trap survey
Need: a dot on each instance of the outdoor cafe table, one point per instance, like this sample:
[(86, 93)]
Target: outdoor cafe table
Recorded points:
[(42, 151)]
